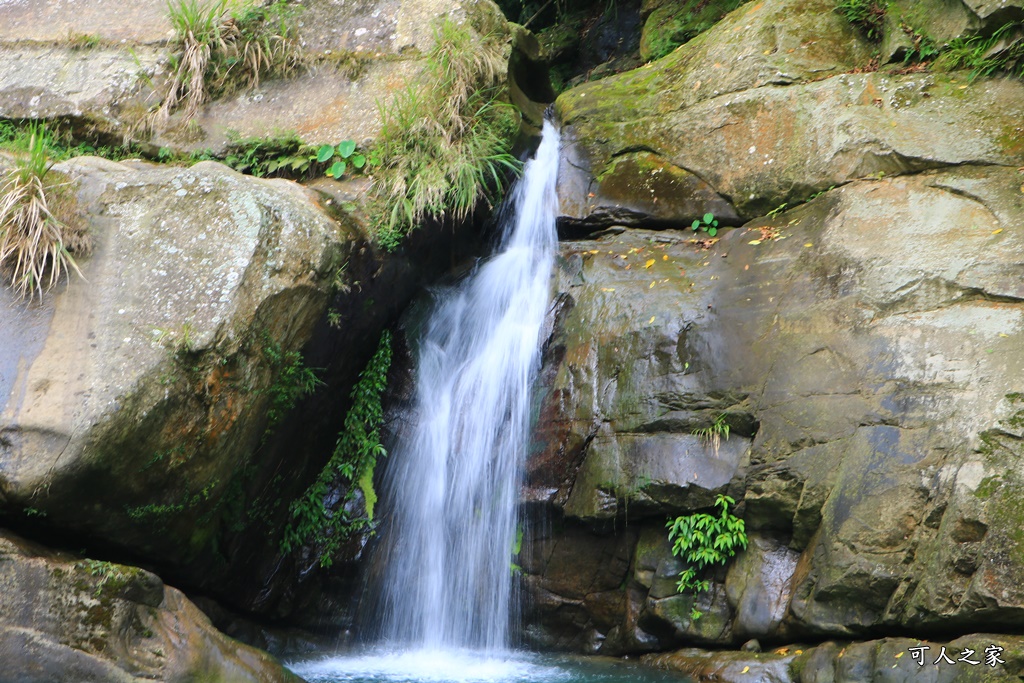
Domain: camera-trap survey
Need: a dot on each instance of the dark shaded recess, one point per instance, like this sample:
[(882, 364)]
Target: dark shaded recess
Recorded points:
[(582, 38)]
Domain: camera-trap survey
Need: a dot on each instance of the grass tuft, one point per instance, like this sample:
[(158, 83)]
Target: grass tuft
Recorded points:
[(35, 245), (1003, 51), (445, 140)]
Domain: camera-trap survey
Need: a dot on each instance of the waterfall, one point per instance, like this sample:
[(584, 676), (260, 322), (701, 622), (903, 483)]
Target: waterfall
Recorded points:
[(454, 475)]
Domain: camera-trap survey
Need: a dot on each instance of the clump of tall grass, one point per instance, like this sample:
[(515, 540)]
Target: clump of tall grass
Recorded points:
[(223, 50), (444, 141), (35, 244), (1003, 51)]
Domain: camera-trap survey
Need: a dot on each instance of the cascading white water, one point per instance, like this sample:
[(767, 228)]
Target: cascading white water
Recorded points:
[(454, 476)]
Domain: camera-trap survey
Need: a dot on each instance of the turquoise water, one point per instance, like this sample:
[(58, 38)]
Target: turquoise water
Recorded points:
[(424, 666)]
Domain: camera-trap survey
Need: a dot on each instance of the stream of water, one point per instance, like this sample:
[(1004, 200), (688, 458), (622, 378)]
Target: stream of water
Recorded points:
[(454, 476)]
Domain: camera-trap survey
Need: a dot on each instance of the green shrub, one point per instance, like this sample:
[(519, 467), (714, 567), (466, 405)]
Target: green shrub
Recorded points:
[(313, 519), (36, 245), (704, 540), (444, 141)]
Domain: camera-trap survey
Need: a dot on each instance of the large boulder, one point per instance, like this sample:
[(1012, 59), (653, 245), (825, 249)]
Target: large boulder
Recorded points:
[(140, 402), (68, 619)]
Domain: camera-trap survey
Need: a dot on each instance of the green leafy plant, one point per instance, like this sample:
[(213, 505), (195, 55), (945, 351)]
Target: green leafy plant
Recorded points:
[(339, 157), (292, 381), (706, 223), (704, 540), (315, 519), (866, 15), (713, 434), (444, 142), (36, 245)]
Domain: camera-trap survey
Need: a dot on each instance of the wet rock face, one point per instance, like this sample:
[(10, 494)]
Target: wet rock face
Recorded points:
[(67, 619), (864, 348)]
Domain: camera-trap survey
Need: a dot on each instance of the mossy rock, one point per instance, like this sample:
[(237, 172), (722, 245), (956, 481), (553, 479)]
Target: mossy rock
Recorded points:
[(677, 21)]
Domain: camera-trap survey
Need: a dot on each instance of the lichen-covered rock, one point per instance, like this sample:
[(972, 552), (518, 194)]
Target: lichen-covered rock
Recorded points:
[(865, 350), (86, 620), (766, 146)]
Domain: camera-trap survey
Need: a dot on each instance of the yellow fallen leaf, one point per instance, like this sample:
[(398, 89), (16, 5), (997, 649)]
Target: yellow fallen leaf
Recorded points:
[(1003, 334), (962, 87), (898, 655), (754, 242), (996, 232), (652, 319), (782, 651), (607, 289), (665, 257), (594, 251), (1022, 188), (767, 52), (799, 652), (745, 669), (809, 244), (652, 285), (650, 262)]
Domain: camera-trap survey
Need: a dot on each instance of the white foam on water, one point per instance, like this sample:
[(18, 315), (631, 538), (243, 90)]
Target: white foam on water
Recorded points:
[(429, 666)]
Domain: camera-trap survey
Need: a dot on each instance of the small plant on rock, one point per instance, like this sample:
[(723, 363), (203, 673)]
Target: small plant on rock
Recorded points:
[(344, 154), (706, 223), (703, 540), (713, 434), (35, 244)]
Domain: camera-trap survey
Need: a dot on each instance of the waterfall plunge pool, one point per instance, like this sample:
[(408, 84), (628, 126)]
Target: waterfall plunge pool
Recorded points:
[(455, 666)]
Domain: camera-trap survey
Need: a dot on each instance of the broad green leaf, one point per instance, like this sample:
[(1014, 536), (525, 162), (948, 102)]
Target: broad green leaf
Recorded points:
[(337, 170), (346, 147), (359, 161), (696, 224), (712, 231), (324, 153), (708, 217)]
